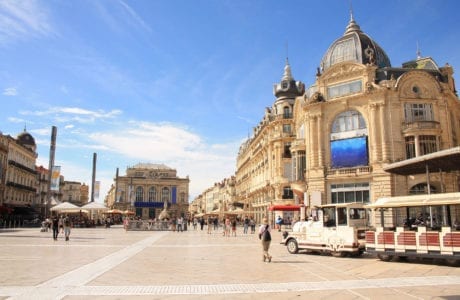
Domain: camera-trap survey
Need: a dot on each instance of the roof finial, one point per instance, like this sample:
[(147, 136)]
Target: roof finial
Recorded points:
[(287, 72), (352, 25), (419, 54), (351, 12), (287, 50), (25, 127)]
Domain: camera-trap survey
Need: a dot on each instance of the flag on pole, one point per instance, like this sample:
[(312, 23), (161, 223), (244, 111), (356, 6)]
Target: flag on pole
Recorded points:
[(97, 186), (55, 175)]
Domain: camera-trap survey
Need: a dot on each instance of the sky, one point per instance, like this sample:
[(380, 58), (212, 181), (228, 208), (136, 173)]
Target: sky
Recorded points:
[(180, 82)]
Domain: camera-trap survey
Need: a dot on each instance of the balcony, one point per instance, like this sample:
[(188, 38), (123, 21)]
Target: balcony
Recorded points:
[(416, 126), (298, 144), (349, 171)]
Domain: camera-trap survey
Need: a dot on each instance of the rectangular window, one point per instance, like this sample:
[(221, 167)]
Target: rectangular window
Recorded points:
[(427, 144), (415, 112), (350, 192), (287, 150), (287, 128), (344, 89), (410, 147)]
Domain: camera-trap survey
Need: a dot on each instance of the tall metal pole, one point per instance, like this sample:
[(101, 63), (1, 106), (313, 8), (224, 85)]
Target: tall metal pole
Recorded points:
[(93, 182), (50, 168), (116, 187)]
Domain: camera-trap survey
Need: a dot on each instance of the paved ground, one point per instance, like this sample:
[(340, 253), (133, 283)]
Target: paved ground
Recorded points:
[(114, 264)]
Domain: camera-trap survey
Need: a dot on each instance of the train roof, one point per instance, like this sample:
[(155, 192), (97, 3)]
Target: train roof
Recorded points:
[(417, 200), (444, 160)]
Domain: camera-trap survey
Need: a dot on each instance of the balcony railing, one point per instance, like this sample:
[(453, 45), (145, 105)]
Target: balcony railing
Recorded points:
[(348, 171), (418, 125)]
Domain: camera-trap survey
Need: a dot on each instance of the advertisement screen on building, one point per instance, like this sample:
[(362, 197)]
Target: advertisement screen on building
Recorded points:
[(348, 153)]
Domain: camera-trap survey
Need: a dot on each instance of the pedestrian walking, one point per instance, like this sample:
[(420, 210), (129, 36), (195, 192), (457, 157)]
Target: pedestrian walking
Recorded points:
[(279, 222), (234, 227), (55, 225), (228, 226), (252, 223), (61, 224), (67, 225), (209, 225), (265, 237), (180, 222), (194, 223), (246, 225), (201, 223)]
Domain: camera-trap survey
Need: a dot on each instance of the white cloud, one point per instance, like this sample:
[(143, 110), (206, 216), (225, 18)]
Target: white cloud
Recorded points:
[(20, 19), (177, 147), (137, 19), (80, 115), (16, 120), (11, 91)]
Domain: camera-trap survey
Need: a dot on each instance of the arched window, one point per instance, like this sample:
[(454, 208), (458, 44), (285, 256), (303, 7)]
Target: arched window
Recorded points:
[(287, 112), (139, 194), (152, 194), (165, 194), (421, 188), (348, 121)]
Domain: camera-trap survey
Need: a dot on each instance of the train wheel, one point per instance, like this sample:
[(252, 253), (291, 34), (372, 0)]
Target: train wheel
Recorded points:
[(453, 262), (385, 257), (292, 246), (339, 253)]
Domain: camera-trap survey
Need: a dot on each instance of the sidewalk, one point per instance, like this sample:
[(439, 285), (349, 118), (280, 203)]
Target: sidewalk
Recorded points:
[(113, 264)]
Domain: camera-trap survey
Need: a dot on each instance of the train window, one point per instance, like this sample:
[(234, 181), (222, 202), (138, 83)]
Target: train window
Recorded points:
[(341, 216)]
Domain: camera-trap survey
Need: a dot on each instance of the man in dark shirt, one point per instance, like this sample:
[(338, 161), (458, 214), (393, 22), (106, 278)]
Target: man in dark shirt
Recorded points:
[(55, 225)]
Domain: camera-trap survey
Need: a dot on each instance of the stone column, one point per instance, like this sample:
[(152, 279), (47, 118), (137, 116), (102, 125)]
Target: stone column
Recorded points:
[(319, 141), (373, 133), (383, 135)]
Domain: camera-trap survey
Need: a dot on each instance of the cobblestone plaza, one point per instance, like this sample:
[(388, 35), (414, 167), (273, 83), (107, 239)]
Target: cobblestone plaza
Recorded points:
[(113, 264)]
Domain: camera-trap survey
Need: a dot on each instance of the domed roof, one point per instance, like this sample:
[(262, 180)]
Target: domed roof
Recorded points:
[(26, 139), (355, 46), (288, 87)]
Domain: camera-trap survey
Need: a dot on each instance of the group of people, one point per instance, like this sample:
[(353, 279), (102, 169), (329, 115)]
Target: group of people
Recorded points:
[(61, 224), (229, 228)]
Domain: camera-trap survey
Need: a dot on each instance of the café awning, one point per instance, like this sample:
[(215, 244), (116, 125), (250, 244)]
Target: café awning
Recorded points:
[(284, 208)]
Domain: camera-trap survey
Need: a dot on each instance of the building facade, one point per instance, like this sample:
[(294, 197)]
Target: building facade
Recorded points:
[(263, 165), (19, 175), (3, 165), (216, 200), (362, 114), (331, 142), (73, 192), (148, 189)]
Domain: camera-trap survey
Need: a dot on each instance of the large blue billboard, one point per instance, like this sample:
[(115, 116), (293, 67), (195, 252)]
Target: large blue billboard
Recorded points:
[(349, 152)]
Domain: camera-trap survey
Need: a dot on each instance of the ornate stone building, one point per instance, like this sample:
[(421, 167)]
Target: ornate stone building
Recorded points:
[(73, 192), (148, 188), (332, 142), (3, 165), (264, 168), (362, 114), (18, 174), (216, 200)]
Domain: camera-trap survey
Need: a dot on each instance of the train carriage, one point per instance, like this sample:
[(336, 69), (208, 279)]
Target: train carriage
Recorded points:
[(416, 226), (424, 225)]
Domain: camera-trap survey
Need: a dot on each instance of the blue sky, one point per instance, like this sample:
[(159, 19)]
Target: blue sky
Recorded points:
[(180, 82)]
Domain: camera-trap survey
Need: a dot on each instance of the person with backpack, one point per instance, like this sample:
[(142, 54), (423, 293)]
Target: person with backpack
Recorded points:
[(265, 237)]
